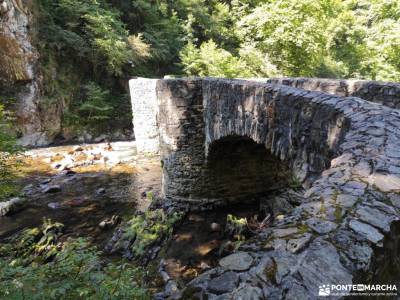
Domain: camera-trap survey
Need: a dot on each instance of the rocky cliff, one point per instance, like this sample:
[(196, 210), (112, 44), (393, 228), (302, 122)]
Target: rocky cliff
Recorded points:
[(19, 75)]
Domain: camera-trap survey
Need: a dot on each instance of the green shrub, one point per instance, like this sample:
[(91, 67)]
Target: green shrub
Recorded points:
[(148, 229), (8, 148), (37, 265)]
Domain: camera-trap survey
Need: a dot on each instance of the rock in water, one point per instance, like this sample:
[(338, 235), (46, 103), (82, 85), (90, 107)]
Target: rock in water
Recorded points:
[(54, 205), (101, 191), (215, 227), (52, 189), (11, 206)]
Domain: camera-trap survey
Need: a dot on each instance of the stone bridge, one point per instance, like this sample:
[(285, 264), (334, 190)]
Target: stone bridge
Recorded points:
[(222, 141)]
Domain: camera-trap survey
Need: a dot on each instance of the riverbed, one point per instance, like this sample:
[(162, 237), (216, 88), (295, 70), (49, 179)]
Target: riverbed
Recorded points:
[(94, 188), (83, 185)]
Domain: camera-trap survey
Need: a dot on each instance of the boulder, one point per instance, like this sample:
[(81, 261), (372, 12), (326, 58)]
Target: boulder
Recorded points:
[(11, 206)]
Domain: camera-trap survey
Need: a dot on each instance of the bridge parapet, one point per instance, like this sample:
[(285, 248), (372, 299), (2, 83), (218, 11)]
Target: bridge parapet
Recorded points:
[(386, 93)]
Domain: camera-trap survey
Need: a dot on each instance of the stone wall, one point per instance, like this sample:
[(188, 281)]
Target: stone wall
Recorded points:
[(386, 93), (145, 110), (182, 144)]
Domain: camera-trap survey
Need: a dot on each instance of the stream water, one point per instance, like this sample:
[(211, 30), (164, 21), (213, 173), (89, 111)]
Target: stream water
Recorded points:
[(96, 182), (90, 191)]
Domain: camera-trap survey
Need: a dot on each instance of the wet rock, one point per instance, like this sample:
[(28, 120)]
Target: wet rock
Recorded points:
[(240, 261), (321, 226), (215, 227), (77, 148), (51, 189), (12, 206), (110, 222), (54, 205), (64, 164), (225, 283), (67, 172), (45, 181), (204, 266), (101, 191), (100, 138), (28, 190), (296, 245), (367, 231)]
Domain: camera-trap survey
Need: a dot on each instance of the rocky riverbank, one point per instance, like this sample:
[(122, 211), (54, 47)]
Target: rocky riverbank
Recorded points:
[(89, 187)]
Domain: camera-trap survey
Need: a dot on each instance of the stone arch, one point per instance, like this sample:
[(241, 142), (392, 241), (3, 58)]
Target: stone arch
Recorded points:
[(289, 122)]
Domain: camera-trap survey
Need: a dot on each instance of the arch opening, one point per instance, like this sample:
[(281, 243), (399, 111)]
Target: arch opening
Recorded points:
[(241, 170)]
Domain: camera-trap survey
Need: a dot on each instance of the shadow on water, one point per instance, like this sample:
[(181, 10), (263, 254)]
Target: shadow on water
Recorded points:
[(199, 241)]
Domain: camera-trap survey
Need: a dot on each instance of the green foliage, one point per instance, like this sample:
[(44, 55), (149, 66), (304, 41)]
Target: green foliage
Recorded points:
[(324, 38), (148, 229), (236, 226), (36, 265), (150, 196), (295, 182), (92, 30), (97, 42), (209, 60), (95, 108), (85, 46), (34, 245)]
